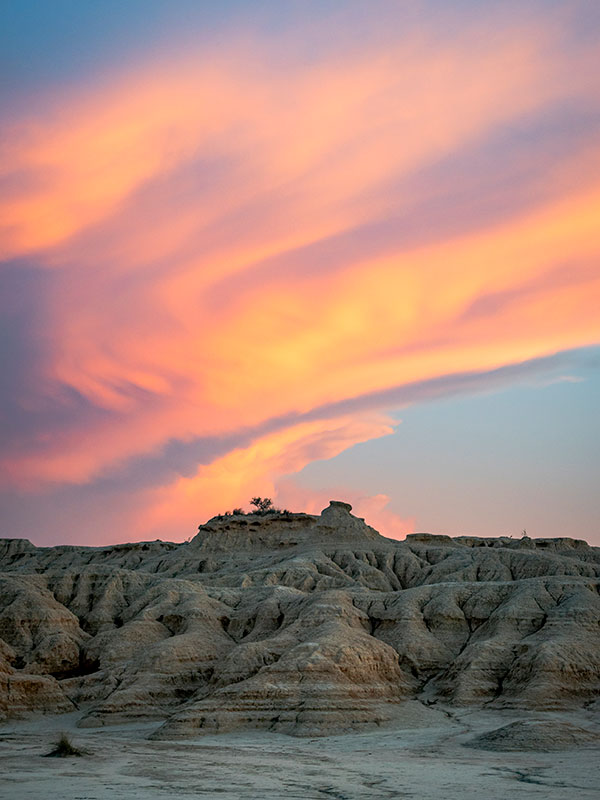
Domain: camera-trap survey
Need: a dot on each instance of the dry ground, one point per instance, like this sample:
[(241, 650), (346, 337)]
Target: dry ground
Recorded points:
[(418, 762)]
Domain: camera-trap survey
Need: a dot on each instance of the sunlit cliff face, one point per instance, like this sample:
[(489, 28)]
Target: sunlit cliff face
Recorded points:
[(231, 260)]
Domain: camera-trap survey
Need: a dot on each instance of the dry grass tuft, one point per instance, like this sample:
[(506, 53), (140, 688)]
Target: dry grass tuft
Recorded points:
[(64, 748)]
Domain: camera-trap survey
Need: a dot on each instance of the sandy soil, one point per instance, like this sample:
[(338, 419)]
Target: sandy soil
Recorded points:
[(419, 762)]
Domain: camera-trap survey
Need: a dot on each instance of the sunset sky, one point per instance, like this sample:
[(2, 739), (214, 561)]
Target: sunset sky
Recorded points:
[(307, 250)]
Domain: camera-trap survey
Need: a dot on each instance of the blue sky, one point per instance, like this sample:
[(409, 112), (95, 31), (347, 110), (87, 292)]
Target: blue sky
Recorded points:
[(489, 464)]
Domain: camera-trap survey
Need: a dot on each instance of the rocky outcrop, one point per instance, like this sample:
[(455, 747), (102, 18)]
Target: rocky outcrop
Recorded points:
[(536, 735), (296, 623)]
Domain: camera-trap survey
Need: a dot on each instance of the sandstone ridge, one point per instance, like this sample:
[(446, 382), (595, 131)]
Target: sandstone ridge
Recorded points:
[(297, 623)]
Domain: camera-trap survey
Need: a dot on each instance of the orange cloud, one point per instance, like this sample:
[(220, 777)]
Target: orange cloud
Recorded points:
[(190, 215), (382, 113), (244, 472)]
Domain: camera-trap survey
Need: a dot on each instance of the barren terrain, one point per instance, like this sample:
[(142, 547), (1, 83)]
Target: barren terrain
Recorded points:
[(418, 762), (305, 656)]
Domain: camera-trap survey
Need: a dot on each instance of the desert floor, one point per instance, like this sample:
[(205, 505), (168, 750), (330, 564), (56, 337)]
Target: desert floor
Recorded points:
[(419, 762)]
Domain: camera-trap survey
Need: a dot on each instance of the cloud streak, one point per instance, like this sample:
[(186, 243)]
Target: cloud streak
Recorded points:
[(246, 258)]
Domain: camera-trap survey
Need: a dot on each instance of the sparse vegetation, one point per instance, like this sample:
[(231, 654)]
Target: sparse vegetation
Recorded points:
[(262, 504), (64, 748)]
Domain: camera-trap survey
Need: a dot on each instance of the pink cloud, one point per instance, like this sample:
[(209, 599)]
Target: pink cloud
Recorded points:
[(373, 508), (154, 199)]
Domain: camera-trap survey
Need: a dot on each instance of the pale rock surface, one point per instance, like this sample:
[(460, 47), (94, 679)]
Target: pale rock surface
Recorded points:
[(297, 623), (543, 735)]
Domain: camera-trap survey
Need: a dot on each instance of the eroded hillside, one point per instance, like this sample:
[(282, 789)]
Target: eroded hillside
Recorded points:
[(296, 623)]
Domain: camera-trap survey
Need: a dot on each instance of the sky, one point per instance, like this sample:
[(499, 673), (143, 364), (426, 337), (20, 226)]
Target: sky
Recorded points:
[(303, 250)]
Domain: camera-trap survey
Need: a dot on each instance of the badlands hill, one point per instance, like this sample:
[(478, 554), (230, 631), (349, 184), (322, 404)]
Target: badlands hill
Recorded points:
[(297, 623)]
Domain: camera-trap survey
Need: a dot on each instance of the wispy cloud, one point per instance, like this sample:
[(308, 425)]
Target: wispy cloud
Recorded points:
[(243, 264)]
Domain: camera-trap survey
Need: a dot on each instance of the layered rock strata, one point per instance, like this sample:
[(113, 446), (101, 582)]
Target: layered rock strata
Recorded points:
[(296, 623)]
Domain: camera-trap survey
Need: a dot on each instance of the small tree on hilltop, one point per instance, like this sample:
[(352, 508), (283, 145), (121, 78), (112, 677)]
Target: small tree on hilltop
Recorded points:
[(262, 503)]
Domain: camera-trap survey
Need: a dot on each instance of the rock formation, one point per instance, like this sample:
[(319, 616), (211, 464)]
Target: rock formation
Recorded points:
[(296, 623), (534, 734)]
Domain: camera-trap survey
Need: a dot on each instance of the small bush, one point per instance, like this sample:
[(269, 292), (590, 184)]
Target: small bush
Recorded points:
[(264, 504), (64, 748)]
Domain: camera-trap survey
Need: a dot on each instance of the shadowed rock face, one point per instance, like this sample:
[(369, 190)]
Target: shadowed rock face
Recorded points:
[(296, 623), (541, 735)]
